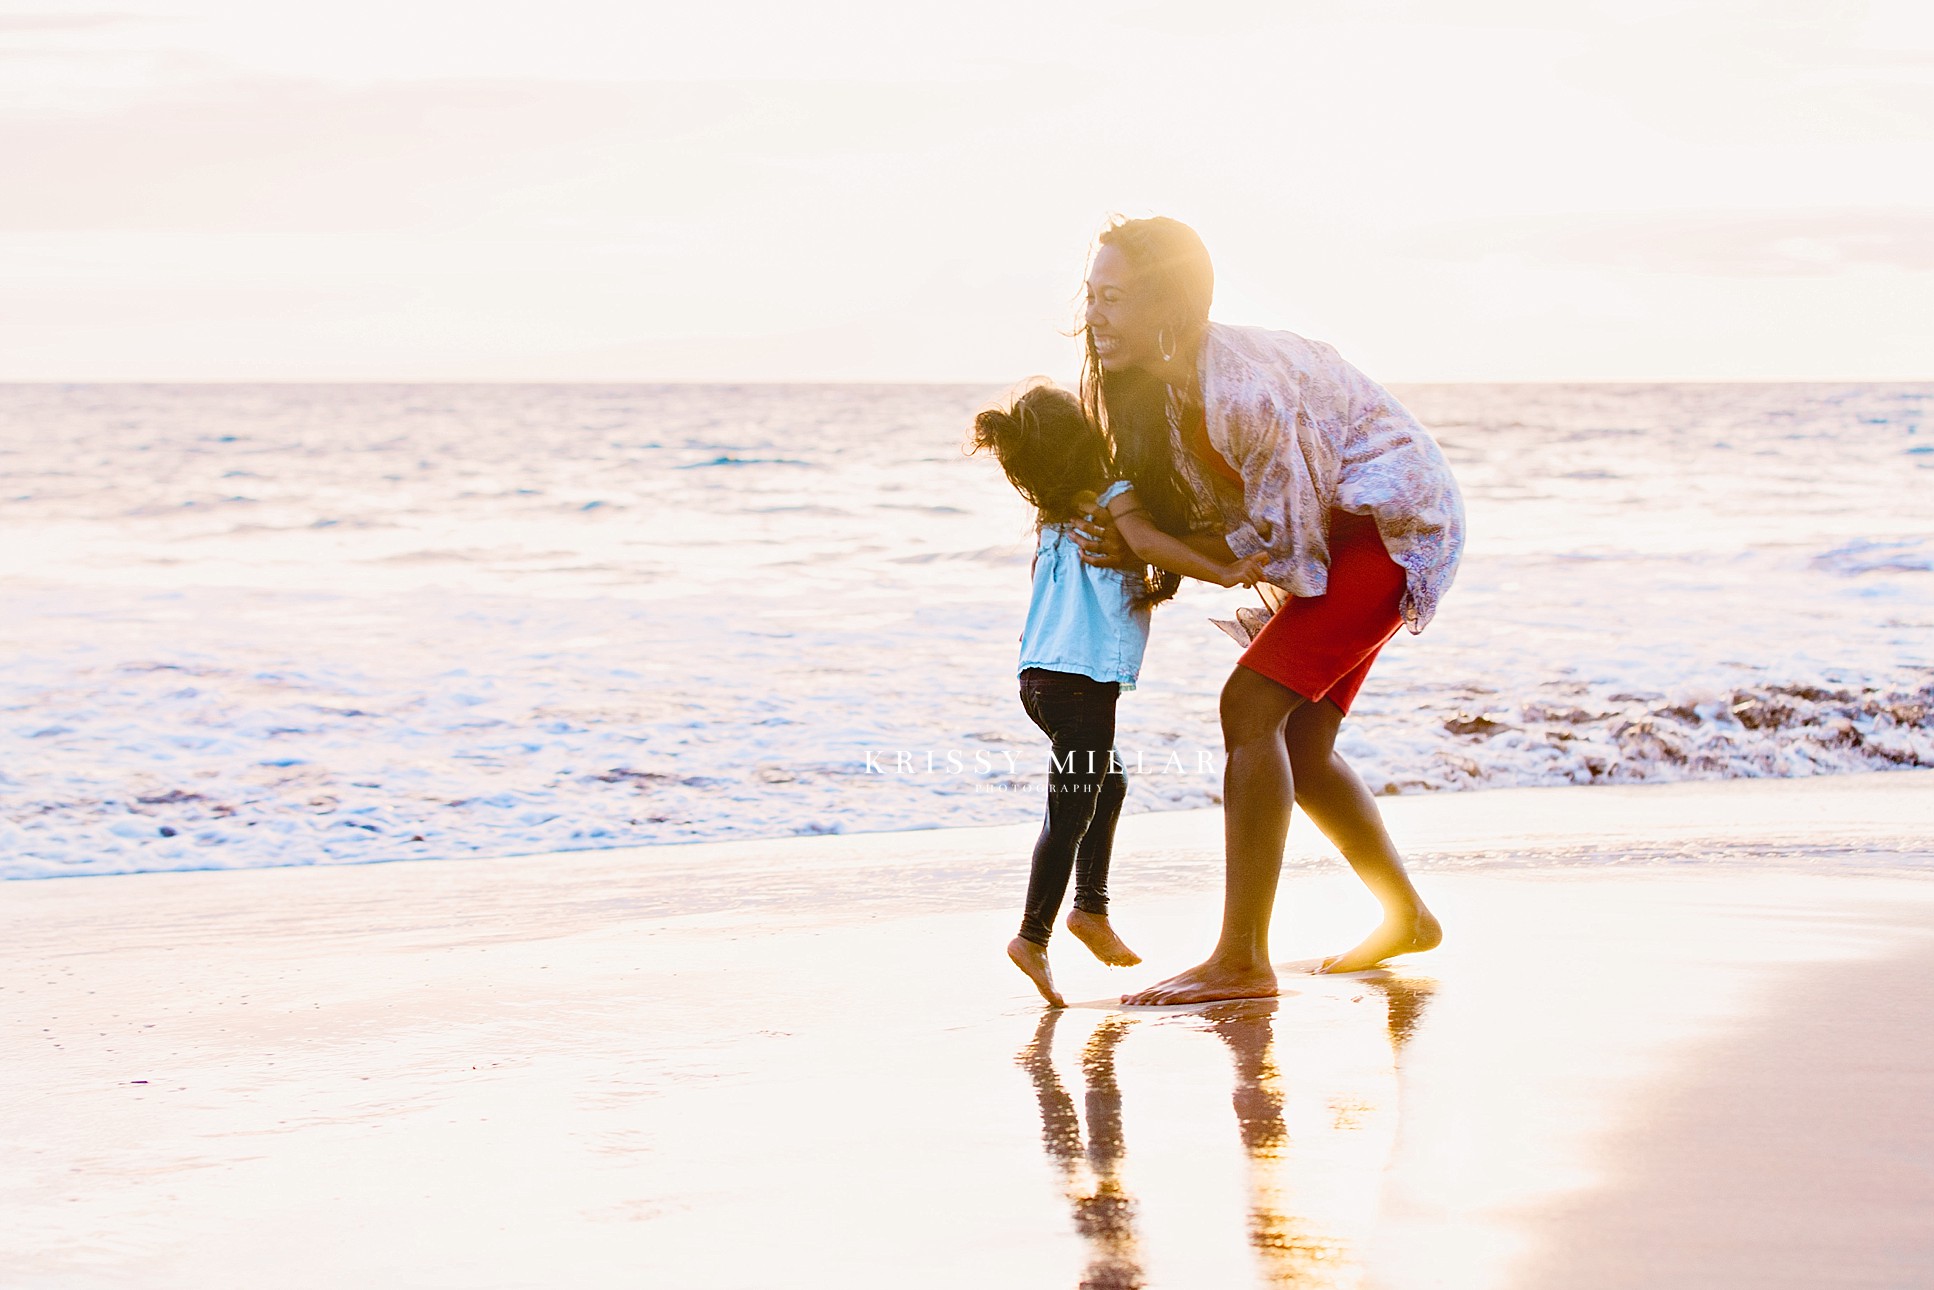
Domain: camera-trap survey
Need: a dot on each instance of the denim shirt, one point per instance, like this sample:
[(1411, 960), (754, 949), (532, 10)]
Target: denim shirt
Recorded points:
[(1081, 617)]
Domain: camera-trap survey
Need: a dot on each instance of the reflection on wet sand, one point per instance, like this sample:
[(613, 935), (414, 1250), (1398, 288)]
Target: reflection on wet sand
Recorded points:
[(1104, 1213), (1317, 1127)]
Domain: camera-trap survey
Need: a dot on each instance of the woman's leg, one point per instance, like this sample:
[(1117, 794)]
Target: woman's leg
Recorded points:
[(1341, 805), (1258, 791)]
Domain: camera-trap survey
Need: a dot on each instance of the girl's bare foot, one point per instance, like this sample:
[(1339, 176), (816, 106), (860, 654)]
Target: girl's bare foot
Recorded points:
[(1216, 979), (1394, 936), (1033, 960), (1098, 935)]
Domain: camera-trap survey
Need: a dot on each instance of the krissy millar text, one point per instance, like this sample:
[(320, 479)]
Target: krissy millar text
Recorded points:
[(954, 761)]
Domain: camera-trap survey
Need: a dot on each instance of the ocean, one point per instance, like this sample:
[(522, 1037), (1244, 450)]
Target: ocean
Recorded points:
[(289, 625)]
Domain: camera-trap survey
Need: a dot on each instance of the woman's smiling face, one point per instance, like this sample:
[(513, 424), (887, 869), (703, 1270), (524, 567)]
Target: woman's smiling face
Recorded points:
[(1124, 318)]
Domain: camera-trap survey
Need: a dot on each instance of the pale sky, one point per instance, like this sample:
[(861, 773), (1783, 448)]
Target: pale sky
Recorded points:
[(891, 190)]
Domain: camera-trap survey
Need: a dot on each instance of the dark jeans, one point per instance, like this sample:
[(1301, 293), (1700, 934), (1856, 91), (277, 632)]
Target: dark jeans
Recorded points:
[(1085, 792)]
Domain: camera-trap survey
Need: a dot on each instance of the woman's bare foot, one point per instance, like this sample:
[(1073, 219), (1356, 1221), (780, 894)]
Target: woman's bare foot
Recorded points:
[(1033, 960), (1393, 936), (1212, 980), (1095, 931)]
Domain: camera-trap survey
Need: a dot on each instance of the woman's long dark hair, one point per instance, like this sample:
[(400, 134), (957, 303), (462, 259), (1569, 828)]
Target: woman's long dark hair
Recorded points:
[(1131, 406)]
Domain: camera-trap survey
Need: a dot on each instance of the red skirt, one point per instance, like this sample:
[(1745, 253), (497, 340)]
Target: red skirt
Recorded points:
[(1321, 647)]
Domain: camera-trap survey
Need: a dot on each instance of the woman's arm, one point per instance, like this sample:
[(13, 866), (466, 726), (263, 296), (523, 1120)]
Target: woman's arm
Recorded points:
[(1214, 546), (1100, 541), (1102, 544), (1153, 546)]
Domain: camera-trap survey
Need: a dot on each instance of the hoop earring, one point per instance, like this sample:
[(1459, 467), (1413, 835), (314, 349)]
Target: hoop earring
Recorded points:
[(1163, 343)]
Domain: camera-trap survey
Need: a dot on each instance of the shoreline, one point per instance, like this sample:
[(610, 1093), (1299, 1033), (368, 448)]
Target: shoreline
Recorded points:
[(1454, 833)]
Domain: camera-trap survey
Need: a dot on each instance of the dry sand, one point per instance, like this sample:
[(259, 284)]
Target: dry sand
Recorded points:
[(1678, 1036)]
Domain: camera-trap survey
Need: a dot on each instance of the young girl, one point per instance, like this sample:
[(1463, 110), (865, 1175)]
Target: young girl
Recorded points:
[(1086, 630)]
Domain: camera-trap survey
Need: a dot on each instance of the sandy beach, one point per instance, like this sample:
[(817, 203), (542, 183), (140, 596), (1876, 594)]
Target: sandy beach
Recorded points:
[(1677, 1037)]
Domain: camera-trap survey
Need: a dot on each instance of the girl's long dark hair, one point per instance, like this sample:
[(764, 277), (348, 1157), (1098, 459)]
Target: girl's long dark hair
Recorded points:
[(1049, 448), (1052, 451), (1131, 406)]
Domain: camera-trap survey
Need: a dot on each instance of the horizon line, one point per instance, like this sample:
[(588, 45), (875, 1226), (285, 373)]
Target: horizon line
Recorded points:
[(903, 382)]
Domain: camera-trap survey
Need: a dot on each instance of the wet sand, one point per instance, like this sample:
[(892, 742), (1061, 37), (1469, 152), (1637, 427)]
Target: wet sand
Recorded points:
[(1677, 1036)]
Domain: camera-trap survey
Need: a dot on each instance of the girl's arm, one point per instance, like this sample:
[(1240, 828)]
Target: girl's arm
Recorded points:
[(1164, 551)]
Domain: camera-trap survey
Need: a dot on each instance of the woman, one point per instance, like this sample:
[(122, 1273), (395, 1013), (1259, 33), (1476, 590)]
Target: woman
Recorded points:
[(1253, 441)]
